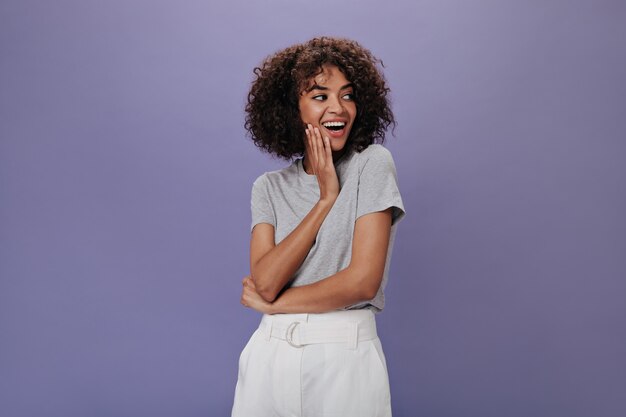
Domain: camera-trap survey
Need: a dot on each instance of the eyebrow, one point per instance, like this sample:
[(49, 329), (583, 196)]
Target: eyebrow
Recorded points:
[(319, 87)]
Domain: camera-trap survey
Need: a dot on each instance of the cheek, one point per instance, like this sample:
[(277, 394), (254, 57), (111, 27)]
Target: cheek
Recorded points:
[(310, 115), (353, 110), (302, 109), (305, 113)]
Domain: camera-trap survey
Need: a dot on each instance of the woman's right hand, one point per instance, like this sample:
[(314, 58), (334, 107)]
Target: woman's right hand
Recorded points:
[(319, 153)]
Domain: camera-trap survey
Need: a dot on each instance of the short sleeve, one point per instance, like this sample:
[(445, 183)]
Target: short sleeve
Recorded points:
[(378, 184), (260, 204)]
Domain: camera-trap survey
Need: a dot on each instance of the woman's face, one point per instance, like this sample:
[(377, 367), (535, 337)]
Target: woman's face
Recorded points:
[(328, 103)]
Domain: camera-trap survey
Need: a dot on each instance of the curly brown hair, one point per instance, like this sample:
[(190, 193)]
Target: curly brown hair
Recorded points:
[(272, 112)]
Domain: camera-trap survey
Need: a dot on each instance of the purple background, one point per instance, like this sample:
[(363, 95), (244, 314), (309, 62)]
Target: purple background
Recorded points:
[(125, 181)]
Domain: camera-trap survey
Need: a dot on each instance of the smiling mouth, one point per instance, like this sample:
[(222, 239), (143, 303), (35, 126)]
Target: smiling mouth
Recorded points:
[(335, 129), (335, 126)]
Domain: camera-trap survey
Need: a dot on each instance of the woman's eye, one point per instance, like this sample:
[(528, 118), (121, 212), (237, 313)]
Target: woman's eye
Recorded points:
[(320, 97), (349, 96)]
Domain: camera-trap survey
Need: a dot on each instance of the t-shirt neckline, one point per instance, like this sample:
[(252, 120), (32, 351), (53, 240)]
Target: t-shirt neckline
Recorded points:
[(311, 178), (302, 173)]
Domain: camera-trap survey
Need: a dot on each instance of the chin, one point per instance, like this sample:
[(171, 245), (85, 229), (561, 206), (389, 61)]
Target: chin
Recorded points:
[(338, 147)]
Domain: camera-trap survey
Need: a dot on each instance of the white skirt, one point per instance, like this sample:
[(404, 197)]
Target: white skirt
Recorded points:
[(313, 365)]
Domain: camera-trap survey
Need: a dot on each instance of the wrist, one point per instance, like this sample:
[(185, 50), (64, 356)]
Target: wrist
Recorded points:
[(326, 202), (272, 308)]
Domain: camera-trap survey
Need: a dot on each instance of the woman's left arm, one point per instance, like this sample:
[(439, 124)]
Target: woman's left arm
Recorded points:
[(358, 282)]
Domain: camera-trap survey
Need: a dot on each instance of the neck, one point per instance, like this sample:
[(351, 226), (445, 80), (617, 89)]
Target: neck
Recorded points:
[(306, 162)]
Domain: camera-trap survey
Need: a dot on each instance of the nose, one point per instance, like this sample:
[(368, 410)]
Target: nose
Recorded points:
[(334, 105)]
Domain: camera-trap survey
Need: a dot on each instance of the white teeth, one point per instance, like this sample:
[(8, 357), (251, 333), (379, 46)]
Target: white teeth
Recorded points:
[(339, 124)]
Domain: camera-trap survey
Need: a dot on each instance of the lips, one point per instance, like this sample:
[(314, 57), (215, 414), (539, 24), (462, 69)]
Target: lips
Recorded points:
[(334, 128)]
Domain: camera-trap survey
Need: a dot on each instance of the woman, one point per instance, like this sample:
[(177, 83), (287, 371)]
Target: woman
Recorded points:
[(322, 233)]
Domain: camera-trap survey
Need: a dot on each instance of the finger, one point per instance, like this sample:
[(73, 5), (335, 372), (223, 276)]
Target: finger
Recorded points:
[(320, 148), (245, 296), (307, 141), (316, 153), (329, 152), (316, 150), (308, 144)]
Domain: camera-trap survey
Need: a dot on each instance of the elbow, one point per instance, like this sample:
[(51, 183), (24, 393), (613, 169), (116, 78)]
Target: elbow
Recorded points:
[(366, 281), (369, 287), (367, 277), (264, 290), (267, 295), (369, 292)]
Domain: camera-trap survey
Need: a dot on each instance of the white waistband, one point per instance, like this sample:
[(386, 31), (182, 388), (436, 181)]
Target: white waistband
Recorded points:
[(349, 327)]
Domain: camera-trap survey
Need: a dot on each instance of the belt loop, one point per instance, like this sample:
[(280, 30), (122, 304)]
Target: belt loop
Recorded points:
[(268, 328), (353, 334)]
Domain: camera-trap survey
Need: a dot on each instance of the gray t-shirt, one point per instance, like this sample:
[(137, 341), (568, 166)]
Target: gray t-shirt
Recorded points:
[(368, 182)]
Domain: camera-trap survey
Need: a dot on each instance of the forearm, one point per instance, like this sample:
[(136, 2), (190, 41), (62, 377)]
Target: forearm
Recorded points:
[(358, 282), (275, 268), (347, 287)]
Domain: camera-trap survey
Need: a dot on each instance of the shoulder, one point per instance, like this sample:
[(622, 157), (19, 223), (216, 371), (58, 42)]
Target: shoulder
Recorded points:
[(376, 150), (276, 177), (260, 184), (376, 157)]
